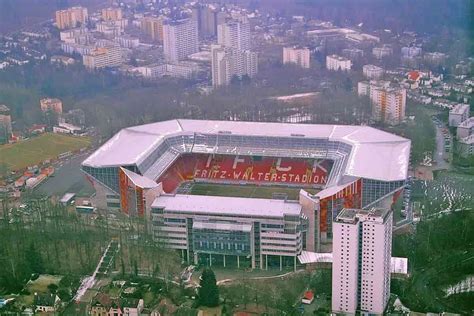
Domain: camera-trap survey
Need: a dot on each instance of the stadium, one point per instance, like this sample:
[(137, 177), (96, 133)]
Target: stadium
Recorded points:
[(222, 187)]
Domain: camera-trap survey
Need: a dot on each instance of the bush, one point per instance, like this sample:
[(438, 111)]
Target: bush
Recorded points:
[(53, 288), (25, 292)]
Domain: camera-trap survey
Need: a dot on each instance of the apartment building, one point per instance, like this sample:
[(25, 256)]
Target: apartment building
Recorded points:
[(372, 72), (228, 62), (466, 128), (180, 39), (51, 104), (299, 56), (458, 114), (100, 57), (111, 14), (382, 51), (71, 17), (388, 104), (5, 124), (338, 63), (362, 246), (153, 26), (234, 34)]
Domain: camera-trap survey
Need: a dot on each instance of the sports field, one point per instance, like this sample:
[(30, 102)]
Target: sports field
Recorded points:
[(37, 149), (236, 190)]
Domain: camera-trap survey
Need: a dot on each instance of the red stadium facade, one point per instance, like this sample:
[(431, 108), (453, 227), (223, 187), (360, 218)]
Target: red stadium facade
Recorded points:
[(246, 169)]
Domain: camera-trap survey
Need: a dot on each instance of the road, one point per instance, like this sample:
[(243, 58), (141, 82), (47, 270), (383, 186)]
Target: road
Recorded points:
[(440, 155), (68, 177)]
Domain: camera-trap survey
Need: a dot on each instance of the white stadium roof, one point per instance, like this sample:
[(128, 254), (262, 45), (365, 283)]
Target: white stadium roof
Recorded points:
[(375, 154)]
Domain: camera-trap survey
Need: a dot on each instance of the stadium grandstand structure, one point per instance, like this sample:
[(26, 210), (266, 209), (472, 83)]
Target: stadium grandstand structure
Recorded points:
[(353, 166)]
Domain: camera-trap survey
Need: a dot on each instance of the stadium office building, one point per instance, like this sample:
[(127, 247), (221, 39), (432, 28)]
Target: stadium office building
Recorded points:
[(139, 170)]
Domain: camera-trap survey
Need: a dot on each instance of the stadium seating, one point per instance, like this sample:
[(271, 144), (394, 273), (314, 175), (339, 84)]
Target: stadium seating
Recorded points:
[(245, 169)]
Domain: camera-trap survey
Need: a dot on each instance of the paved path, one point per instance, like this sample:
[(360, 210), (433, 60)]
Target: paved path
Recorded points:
[(260, 277)]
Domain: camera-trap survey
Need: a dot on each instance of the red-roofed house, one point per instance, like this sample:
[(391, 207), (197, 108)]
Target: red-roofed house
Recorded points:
[(414, 75), (308, 297), (37, 129)]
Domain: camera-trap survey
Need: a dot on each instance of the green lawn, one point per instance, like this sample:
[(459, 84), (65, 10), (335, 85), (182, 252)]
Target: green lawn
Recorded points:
[(251, 191), (40, 285), (35, 150)]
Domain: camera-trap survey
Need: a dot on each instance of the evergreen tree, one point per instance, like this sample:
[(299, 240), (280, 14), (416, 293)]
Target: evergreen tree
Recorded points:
[(208, 290), (33, 257)]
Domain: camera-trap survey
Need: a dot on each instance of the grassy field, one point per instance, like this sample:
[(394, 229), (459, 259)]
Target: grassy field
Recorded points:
[(35, 150), (251, 191), (40, 286)]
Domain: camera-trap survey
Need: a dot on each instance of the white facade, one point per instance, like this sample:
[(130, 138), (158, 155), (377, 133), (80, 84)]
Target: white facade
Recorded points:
[(298, 56), (128, 41), (229, 224), (180, 39), (178, 70), (335, 63), (353, 53), (72, 48), (458, 114), (103, 57), (435, 58), (229, 62), (410, 52), (466, 146), (363, 87), (372, 72), (362, 247), (466, 128), (381, 52), (234, 34)]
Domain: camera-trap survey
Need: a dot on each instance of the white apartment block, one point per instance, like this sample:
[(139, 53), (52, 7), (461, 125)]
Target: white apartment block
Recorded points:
[(297, 55), (72, 48), (388, 104), (234, 34), (228, 62), (381, 52), (363, 87), (111, 28), (466, 146), (184, 69), (353, 53), (466, 128), (70, 36), (336, 63), (435, 58), (362, 246), (127, 41), (458, 114), (180, 39), (103, 57), (372, 72), (410, 52)]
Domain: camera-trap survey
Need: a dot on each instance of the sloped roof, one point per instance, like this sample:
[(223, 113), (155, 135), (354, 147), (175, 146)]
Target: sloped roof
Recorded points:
[(375, 154)]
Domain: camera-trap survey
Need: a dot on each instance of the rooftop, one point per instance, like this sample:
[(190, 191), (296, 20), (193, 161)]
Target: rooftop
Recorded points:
[(469, 123), (351, 215), (133, 144), (220, 205), (460, 109), (340, 58), (469, 140)]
